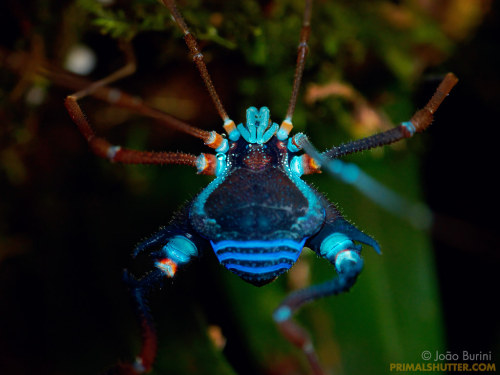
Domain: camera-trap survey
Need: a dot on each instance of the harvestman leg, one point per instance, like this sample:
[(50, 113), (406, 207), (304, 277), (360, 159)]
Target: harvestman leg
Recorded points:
[(166, 263), (297, 335), (178, 246), (417, 214), (101, 146), (339, 249), (335, 243), (198, 59), (286, 126), (418, 123)]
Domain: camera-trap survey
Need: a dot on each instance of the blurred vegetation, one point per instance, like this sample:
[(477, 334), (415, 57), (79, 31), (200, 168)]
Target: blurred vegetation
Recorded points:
[(68, 221)]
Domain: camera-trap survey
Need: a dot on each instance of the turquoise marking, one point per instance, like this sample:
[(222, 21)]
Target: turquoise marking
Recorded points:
[(269, 133), (348, 172), (245, 133), (221, 165), (220, 173), (263, 119), (180, 249), (291, 146), (256, 125), (258, 270), (418, 214), (409, 126), (263, 257), (333, 244), (296, 166), (234, 135), (348, 261), (314, 206), (230, 258), (282, 313), (283, 134), (341, 251)]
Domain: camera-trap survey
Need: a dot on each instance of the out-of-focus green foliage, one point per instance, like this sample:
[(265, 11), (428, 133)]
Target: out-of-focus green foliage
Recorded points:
[(125, 20), (400, 40)]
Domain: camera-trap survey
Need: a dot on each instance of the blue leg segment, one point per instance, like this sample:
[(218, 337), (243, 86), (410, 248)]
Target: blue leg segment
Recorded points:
[(138, 290)]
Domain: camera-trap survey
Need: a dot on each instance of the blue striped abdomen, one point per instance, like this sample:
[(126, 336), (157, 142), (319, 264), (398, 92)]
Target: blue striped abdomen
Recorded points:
[(258, 261)]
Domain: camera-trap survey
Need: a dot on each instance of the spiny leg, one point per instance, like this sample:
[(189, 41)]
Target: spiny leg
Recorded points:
[(418, 123), (286, 126), (348, 264), (179, 247), (100, 90), (334, 242), (104, 149), (101, 147), (149, 341), (297, 335), (198, 59), (204, 163)]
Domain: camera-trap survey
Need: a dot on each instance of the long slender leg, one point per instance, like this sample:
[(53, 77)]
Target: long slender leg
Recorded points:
[(297, 335), (178, 247), (335, 243), (145, 359), (418, 123), (101, 147), (198, 59), (348, 269), (286, 125), (100, 90)]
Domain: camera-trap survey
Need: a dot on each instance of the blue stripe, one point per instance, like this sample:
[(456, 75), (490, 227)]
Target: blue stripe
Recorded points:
[(259, 270), (258, 244), (259, 256)]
